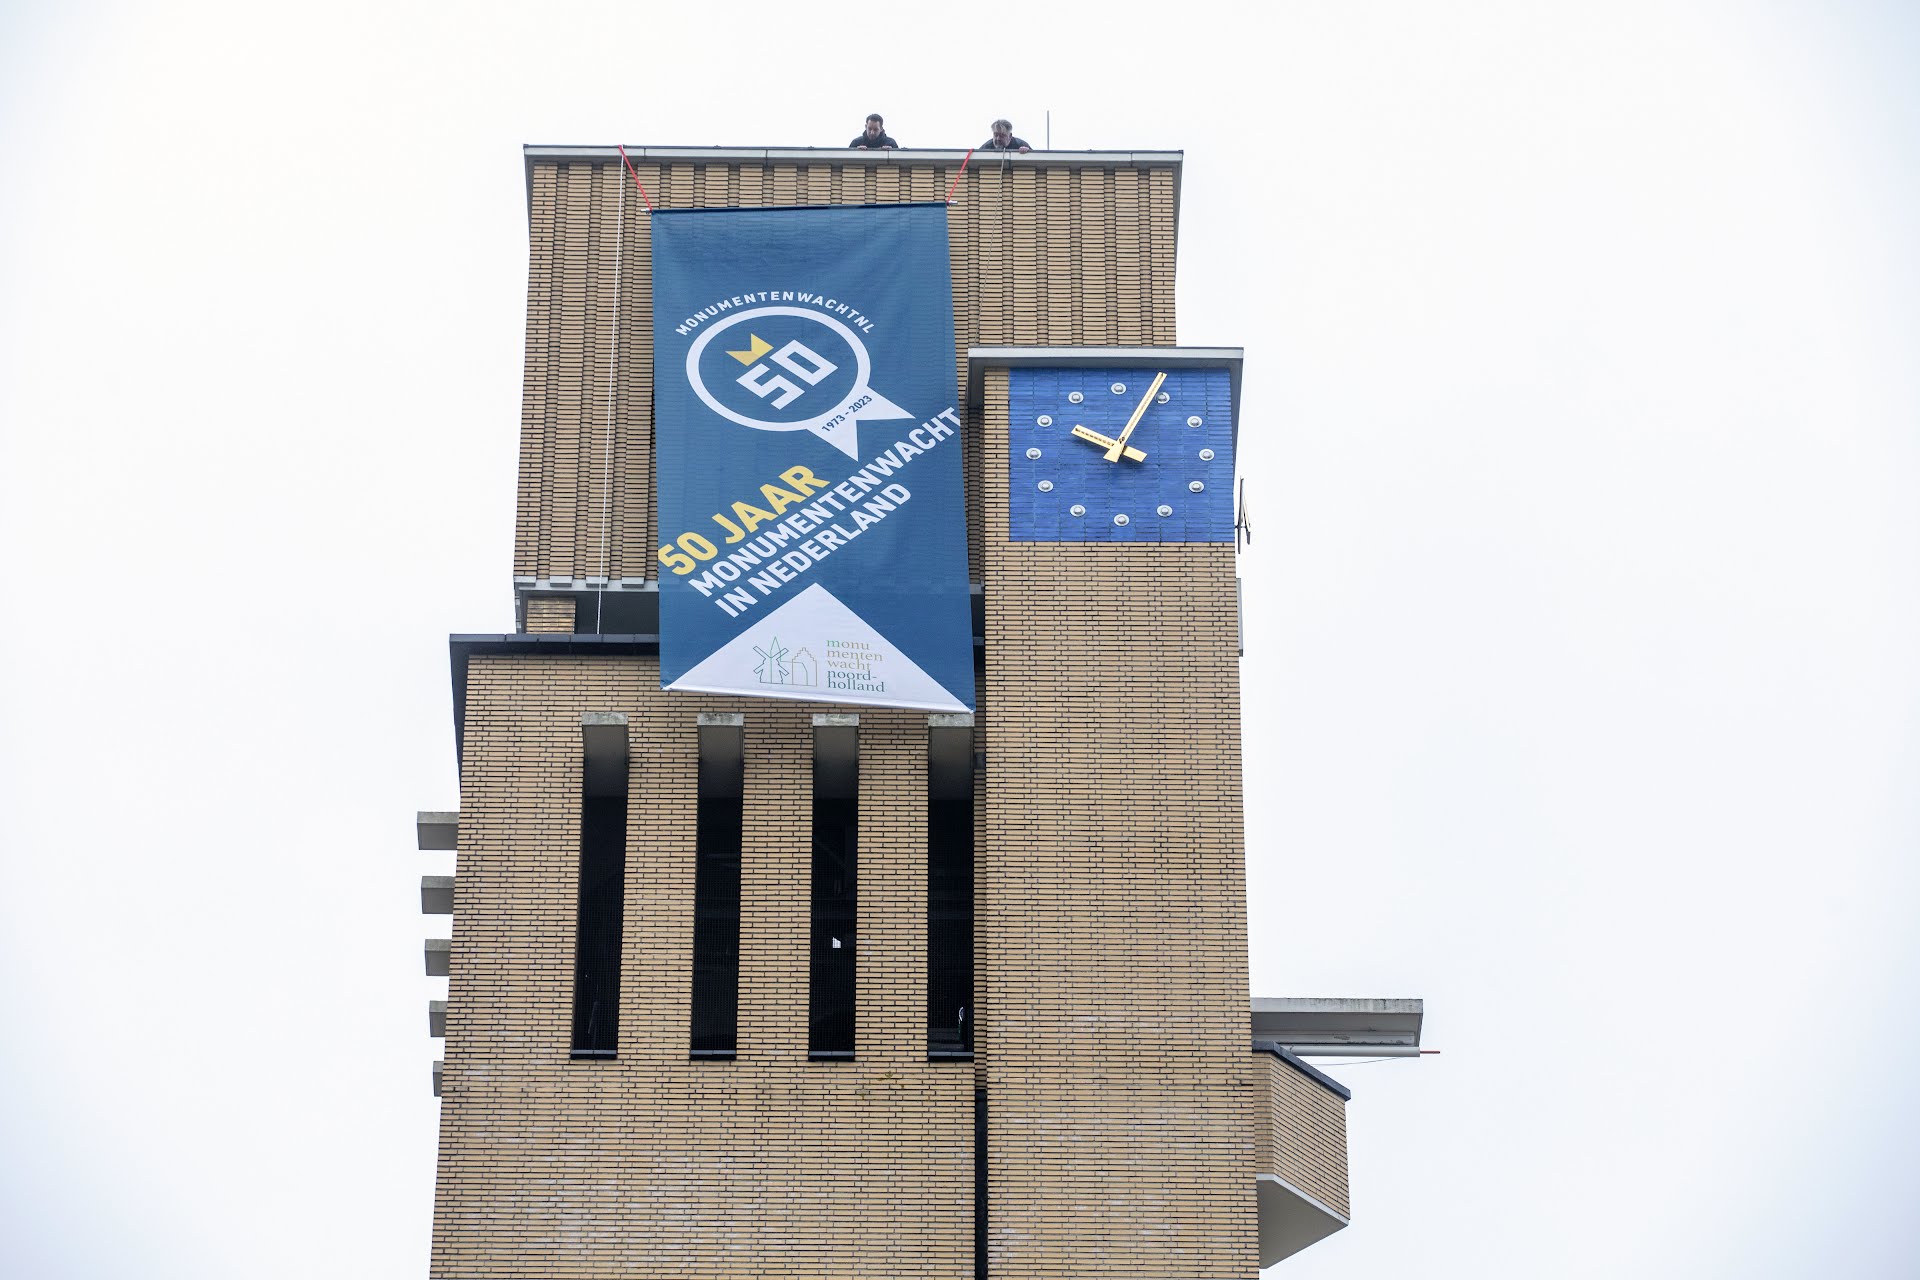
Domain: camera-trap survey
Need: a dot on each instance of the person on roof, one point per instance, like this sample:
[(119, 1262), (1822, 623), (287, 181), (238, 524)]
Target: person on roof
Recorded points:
[(1003, 139), (875, 137)]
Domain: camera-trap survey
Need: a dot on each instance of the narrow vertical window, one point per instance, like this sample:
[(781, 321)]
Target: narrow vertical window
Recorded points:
[(603, 884), (836, 838), (716, 889), (950, 927), (949, 886), (981, 1217)]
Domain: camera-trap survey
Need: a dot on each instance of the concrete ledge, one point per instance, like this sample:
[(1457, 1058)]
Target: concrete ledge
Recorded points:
[(437, 1067), (437, 1019), (437, 829), (1334, 1027), (436, 895), (438, 950)]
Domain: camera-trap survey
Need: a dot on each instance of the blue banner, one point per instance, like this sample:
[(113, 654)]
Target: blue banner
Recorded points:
[(813, 530)]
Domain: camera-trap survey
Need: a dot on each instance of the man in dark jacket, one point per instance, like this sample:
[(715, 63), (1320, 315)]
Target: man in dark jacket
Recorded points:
[(1003, 139), (875, 138)]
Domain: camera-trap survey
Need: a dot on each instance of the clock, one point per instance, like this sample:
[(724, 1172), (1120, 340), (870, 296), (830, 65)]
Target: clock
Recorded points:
[(1139, 453)]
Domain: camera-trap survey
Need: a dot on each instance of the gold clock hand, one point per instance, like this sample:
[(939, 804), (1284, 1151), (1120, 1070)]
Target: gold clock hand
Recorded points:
[(1113, 454), (1106, 442)]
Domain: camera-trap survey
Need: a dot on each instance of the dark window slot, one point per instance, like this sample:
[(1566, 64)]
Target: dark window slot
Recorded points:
[(596, 962), (716, 927), (830, 1020), (950, 927), (980, 1184)]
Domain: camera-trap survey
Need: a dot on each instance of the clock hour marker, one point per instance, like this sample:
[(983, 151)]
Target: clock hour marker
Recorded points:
[(1121, 518), (1196, 486), (1076, 510), (1194, 421), (1206, 455), (1046, 486), (1118, 388), (1033, 453), (1044, 420), (1075, 397), (1164, 510), (1163, 398)]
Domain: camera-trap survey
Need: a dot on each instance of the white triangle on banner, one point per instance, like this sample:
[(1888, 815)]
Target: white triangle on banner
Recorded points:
[(815, 649)]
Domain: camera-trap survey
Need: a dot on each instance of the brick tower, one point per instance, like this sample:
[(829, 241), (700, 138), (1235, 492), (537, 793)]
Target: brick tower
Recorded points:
[(754, 987)]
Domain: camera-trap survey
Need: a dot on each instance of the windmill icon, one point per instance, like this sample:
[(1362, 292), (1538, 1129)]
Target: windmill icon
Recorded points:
[(772, 667)]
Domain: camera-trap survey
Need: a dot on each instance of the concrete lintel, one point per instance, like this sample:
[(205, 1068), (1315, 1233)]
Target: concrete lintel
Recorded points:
[(836, 755), (436, 895), (437, 829), (603, 737), (722, 753), (950, 754), (437, 1019), (438, 950)]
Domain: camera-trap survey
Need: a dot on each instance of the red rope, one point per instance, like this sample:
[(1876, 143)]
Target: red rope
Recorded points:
[(636, 177), (956, 177)]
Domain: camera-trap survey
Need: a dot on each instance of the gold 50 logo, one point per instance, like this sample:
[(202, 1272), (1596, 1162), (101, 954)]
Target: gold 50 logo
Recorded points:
[(788, 369)]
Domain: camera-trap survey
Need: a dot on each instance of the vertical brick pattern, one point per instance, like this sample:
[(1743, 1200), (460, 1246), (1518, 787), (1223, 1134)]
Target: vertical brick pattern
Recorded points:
[(650, 1164), (1111, 917), (586, 434), (1064, 254), (1303, 1134)]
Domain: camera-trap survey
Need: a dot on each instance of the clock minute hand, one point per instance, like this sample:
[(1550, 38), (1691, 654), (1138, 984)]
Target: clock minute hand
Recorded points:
[(1113, 454)]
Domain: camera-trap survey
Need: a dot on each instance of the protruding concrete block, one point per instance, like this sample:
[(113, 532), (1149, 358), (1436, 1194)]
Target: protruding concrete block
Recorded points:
[(437, 829), (438, 951), (436, 895), (437, 1065), (437, 1019)]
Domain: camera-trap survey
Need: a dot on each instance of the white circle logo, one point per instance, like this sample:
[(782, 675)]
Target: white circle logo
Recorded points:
[(772, 384)]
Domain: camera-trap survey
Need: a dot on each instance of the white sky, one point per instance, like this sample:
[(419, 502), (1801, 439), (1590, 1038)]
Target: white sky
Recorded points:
[(1580, 420)]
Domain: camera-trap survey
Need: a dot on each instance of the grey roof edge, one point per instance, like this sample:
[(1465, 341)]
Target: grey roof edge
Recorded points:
[(980, 359), (1314, 1074), (1336, 1004), (537, 151)]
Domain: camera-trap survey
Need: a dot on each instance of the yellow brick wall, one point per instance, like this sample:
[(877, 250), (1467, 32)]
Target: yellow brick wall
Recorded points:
[(1303, 1134), (1111, 909), (1066, 252), (649, 1164), (550, 614)]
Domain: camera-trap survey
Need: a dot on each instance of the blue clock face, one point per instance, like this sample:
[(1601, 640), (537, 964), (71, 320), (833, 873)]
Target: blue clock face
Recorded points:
[(1073, 479)]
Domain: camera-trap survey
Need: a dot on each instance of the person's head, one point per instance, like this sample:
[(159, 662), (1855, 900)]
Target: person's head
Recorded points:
[(875, 125), (1003, 131)]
